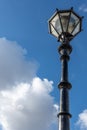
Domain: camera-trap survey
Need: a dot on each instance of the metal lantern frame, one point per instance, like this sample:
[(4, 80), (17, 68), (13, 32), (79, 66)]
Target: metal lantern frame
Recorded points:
[(62, 35)]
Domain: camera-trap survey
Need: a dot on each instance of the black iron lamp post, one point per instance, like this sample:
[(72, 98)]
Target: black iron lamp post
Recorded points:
[(64, 25)]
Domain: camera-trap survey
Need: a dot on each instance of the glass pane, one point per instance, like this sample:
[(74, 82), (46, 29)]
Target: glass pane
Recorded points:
[(72, 23), (73, 16), (53, 31), (77, 29), (56, 23), (64, 20)]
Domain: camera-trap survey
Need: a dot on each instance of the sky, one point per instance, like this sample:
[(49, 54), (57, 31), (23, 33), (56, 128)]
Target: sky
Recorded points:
[(30, 66)]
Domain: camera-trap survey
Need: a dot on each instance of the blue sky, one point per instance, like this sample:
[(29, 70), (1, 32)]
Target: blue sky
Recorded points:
[(30, 66)]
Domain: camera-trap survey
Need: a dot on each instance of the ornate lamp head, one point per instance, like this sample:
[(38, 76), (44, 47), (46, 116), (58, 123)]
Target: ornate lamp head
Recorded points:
[(65, 24)]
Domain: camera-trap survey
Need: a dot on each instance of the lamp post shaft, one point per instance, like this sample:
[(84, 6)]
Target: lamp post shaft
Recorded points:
[(64, 86), (64, 71)]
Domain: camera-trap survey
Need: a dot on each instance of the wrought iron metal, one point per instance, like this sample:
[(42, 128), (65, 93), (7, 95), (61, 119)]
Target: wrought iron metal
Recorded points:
[(64, 86)]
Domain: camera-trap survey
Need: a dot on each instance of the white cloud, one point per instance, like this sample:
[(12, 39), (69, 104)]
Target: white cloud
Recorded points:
[(14, 68), (83, 8), (82, 121), (25, 100), (28, 106)]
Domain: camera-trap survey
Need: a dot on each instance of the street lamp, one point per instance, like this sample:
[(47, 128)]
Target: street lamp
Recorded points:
[(64, 25)]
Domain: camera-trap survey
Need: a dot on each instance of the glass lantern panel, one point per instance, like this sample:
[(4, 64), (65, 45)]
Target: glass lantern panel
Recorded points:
[(77, 29), (72, 23), (56, 23), (64, 20), (53, 31)]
